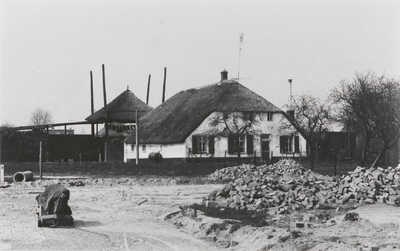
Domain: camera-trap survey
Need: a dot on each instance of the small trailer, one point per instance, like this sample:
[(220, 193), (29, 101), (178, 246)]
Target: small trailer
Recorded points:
[(52, 209), (44, 219)]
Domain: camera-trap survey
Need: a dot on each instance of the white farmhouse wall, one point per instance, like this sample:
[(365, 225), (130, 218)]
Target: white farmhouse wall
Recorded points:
[(266, 127), (167, 151), (221, 144)]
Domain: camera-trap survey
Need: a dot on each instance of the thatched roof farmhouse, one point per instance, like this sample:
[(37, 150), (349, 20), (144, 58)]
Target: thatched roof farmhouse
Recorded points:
[(175, 119), (170, 127)]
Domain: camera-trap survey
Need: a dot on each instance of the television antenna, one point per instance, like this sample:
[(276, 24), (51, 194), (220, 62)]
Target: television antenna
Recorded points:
[(240, 51)]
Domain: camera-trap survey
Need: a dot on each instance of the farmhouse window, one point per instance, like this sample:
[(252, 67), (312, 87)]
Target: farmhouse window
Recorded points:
[(144, 148), (202, 144), (248, 116), (245, 144), (133, 147), (269, 116), (241, 146), (286, 144)]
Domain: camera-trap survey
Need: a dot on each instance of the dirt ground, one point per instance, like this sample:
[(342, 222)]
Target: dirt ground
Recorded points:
[(124, 214), (106, 217)]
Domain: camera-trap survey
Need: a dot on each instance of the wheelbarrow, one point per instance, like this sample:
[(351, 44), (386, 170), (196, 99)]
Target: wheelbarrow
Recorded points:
[(52, 209)]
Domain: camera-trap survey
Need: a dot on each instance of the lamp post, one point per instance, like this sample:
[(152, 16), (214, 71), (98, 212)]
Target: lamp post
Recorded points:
[(291, 112), (290, 97)]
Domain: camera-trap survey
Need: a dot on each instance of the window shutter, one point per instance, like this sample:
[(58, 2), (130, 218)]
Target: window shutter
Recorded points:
[(211, 148), (282, 143), (249, 142), (194, 144), (230, 144), (296, 144)]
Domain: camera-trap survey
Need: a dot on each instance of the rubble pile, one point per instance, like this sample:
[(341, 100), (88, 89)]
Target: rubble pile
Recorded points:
[(370, 185), (285, 166), (287, 185)]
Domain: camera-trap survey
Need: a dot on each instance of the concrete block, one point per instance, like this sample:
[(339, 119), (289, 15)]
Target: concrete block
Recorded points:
[(211, 238)]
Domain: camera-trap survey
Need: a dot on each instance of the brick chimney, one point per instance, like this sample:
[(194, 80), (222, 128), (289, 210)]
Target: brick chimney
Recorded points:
[(224, 75)]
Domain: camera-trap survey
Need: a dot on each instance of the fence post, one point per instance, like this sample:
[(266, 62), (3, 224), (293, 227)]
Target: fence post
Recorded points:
[(137, 137), (105, 151), (335, 160), (225, 159), (1, 173), (271, 161)]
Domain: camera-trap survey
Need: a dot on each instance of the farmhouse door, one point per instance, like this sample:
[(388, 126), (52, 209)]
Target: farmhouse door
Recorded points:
[(265, 149)]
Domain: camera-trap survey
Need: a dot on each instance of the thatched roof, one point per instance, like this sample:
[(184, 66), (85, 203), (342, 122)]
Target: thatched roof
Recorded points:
[(122, 109), (175, 119)]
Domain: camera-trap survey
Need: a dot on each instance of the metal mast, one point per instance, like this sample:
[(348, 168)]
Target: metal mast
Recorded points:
[(240, 51), (290, 95)]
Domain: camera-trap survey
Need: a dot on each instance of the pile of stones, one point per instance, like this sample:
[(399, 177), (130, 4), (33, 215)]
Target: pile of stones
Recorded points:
[(370, 185), (286, 184)]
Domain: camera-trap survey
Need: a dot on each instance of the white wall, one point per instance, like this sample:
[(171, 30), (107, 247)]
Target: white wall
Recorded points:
[(266, 127), (167, 151), (221, 144)]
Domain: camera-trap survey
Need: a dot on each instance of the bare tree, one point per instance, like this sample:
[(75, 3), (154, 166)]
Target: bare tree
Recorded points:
[(7, 125), (370, 104), (355, 99), (385, 116), (310, 117), (235, 125), (41, 117)]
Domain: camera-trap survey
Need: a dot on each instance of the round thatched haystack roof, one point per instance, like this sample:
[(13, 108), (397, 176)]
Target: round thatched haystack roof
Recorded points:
[(122, 109)]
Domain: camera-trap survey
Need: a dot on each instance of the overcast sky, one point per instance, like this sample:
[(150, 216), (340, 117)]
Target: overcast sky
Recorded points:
[(48, 49)]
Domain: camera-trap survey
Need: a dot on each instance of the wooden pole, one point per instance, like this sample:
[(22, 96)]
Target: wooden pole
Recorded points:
[(272, 158), (335, 160), (148, 89), (105, 151), (47, 145), (1, 173), (165, 77), (105, 109), (91, 101), (225, 160), (40, 159), (0, 146), (137, 139), (104, 88)]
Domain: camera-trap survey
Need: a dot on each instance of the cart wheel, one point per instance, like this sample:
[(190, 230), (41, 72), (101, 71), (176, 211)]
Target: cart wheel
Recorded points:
[(39, 223)]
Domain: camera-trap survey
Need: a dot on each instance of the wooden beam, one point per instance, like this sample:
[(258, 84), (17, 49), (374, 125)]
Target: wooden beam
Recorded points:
[(148, 89), (105, 109), (165, 78), (91, 101), (137, 139)]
